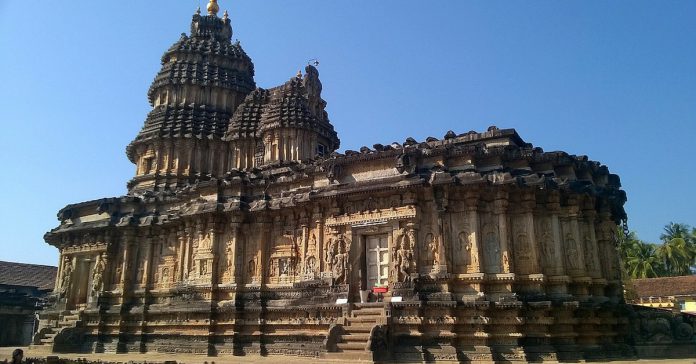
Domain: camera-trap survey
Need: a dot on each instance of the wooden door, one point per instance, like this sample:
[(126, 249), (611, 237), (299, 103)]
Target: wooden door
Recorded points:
[(377, 257)]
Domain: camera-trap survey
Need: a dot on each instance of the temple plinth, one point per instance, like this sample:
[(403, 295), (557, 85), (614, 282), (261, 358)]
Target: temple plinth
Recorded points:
[(244, 231)]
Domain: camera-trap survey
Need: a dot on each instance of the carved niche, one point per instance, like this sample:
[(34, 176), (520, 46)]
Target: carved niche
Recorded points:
[(464, 250), (403, 255), (336, 258), (589, 249), (546, 243), (522, 245), (282, 266), (491, 248), (572, 252), (98, 274)]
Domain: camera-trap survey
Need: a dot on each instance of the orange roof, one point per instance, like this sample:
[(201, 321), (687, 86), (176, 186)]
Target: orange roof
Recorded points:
[(665, 286), (28, 275)]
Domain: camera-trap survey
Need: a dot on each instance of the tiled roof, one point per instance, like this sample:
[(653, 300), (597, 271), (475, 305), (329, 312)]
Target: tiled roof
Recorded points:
[(29, 275), (666, 286)]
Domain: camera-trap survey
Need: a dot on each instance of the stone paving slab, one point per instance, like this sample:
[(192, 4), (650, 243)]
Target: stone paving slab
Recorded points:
[(6, 354)]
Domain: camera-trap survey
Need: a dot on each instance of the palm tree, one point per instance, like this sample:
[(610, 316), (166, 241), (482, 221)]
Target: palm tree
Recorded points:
[(639, 258), (678, 250), (676, 256), (642, 261)]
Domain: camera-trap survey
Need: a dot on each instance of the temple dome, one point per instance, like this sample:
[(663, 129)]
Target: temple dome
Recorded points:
[(288, 122), (204, 77)]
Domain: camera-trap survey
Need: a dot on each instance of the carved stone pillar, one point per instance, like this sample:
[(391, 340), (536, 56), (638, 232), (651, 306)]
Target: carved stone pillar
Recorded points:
[(557, 278), (216, 229), (264, 244), (526, 247), (472, 202), (148, 245), (575, 261), (59, 274), (181, 238), (441, 201), (232, 251), (592, 264), (127, 264), (319, 224), (157, 162), (500, 211), (187, 146)]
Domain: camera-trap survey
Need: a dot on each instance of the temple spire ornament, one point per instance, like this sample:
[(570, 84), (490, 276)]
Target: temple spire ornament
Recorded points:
[(213, 7)]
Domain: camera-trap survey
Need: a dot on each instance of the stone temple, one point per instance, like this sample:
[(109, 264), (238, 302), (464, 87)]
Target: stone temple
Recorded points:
[(245, 232)]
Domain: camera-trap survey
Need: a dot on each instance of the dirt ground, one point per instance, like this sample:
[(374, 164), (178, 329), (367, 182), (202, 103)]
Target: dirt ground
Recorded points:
[(6, 354)]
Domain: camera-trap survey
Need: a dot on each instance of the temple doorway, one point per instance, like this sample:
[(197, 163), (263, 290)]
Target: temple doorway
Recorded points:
[(82, 278), (377, 260)]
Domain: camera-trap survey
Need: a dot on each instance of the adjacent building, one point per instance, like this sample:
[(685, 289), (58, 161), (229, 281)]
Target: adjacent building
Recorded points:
[(23, 291), (670, 293)]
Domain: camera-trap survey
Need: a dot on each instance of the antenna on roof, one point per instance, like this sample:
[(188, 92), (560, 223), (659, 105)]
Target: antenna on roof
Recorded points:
[(314, 62)]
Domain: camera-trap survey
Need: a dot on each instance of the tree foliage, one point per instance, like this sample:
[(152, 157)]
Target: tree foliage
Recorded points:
[(674, 256)]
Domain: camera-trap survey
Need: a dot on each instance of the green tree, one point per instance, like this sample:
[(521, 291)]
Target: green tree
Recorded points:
[(640, 259), (678, 250), (676, 257)]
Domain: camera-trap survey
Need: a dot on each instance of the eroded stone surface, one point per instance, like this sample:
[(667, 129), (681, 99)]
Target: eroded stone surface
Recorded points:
[(244, 232)]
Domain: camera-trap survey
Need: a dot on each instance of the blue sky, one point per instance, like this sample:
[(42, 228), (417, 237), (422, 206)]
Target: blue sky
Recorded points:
[(613, 80)]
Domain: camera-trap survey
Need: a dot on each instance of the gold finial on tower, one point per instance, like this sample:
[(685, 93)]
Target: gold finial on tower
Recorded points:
[(213, 7), (299, 74)]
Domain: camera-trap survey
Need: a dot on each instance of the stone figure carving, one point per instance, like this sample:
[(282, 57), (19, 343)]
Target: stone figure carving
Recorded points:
[(310, 265), (433, 249), (283, 267), (228, 257), (251, 269), (165, 274), (337, 259), (547, 249), (205, 242), (590, 262), (66, 279), (98, 275), (464, 248), (403, 258), (312, 245), (492, 250), (572, 251), (523, 248)]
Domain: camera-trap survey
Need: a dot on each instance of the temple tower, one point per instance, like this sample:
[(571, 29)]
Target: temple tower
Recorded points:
[(283, 124), (204, 77)]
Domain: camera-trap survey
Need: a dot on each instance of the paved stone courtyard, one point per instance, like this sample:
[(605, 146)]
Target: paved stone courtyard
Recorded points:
[(6, 354)]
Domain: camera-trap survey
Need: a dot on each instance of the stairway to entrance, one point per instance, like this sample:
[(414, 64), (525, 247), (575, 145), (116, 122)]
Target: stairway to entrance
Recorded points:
[(45, 338), (353, 341)]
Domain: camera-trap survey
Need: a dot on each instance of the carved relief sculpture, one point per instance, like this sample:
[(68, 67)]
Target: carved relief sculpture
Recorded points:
[(237, 233)]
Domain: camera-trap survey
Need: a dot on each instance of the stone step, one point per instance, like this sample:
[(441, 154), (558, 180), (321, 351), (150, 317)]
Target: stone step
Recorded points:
[(351, 356), (358, 329), (46, 341), (357, 346), (368, 313), (364, 319), (357, 336)]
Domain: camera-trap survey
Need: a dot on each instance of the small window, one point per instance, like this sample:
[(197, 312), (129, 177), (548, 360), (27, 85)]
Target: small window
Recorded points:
[(148, 165), (321, 150)]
